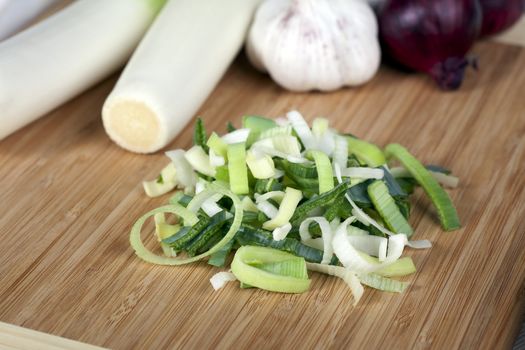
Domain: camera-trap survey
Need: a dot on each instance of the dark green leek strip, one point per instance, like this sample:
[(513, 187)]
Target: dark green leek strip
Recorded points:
[(387, 208), (213, 228), (199, 135), (352, 162), (186, 234), (446, 211), (321, 200), (219, 258), (438, 169), (230, 127), (250, 217), (267, 185), (258, 237), (404, 207), (333, 210), (181, 198), (295, 170), (393, 186)]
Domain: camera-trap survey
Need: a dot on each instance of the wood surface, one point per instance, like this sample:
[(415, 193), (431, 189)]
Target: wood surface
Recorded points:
[(19, 338), (69, 196)]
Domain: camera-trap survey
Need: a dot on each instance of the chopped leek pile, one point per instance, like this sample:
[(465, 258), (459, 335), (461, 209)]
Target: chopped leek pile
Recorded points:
[(288, 198)]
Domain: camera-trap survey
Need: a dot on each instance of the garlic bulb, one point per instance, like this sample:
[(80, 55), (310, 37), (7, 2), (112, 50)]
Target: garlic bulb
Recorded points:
[(315, 44)]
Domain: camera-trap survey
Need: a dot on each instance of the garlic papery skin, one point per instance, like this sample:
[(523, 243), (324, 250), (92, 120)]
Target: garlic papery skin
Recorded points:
[(315, 44)]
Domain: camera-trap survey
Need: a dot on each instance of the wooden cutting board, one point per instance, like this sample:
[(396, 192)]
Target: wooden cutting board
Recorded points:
[(68, 197)]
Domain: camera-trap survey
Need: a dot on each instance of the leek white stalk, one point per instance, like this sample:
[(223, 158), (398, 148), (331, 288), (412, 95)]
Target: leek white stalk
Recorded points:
[(58, 58), (174, 69), (17, 14)]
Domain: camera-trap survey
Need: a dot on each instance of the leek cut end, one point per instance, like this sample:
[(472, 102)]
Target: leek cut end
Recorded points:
[(133, 126)]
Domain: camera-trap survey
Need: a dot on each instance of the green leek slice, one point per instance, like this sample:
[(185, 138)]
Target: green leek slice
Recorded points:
[(163, 184), (366, 152), (446, 211), (237, 170), (291, 199), (217, 144), (324, 170), (382, 283), (402, 267), (189, 219), (261, 165), (246, 273), (199, 160), (387, 208)]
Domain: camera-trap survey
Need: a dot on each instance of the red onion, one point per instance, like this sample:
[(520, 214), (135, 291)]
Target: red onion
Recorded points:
[(431, 36), (499, 15)]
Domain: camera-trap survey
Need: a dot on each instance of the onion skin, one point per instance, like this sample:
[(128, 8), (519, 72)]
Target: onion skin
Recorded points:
[(499, 15), (431, 36)]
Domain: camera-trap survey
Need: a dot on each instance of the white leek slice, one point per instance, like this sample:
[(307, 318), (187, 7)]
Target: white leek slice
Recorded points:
[(316, 243), (164, 184), (371, 245), (215, 159), (359, 217), (261, 165), (278, 173), (280, 233), (320, 127), (210, 206), (267, 209), (349, 277), (350, 257), (236, 136), (364, 173), (282, 121), (275, 153), (340, 155), (249, 205), (66, 53), (220, 279), (326, 234), (421, 244), (278, 130), (287, 144), (291, 199), (185, 174), (199, 160), (444, 179), (275, 195), (302, 129), (174, 69), (323, 136)]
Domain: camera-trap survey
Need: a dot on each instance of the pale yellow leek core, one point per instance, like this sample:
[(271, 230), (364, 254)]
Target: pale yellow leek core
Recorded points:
[(133, 125)]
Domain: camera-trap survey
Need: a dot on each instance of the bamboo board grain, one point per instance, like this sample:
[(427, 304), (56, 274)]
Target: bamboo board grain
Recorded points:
[(18, 338), (69, 196)]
